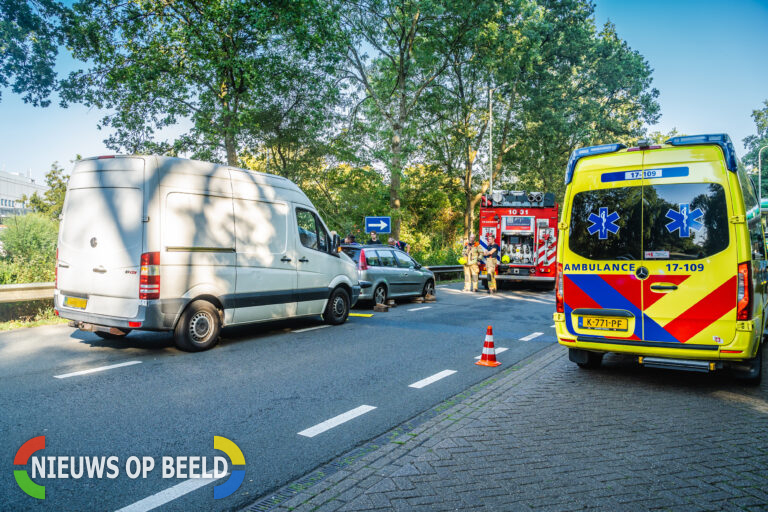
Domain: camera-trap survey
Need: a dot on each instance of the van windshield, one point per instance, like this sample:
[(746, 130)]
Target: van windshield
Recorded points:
[(682, 221)]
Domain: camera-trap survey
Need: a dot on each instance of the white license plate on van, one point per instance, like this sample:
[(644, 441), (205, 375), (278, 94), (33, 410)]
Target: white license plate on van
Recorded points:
[(75, 302)]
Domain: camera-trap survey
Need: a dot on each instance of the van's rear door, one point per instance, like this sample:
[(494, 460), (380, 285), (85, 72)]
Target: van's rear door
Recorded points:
[(101, 237), (689, 295), (602, 295)]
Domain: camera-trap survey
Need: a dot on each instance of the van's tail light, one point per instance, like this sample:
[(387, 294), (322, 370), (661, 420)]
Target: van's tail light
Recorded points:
[(559, 289), (362, 263), (744, 294), (56, 272), (149, 282)]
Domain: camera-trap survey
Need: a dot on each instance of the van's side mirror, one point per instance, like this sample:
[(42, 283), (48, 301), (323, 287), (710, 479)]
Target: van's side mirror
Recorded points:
[(335, 242)]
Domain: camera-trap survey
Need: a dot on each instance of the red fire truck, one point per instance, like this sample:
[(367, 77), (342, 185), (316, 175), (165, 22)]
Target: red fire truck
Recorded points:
[(524, 225)]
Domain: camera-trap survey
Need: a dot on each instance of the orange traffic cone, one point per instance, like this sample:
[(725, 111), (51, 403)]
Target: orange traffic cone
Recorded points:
[(489, 352)]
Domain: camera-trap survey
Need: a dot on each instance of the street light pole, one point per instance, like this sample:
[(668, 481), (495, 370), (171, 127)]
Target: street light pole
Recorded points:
[(490, 137), (760, 178)]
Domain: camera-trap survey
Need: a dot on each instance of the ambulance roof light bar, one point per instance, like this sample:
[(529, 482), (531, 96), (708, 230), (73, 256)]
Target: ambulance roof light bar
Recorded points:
[(718, 139), (588, 151)]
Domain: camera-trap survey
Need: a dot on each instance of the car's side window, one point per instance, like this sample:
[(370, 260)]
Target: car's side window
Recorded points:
[(311, 231), (403, 261), (387, 259), (372, 258)]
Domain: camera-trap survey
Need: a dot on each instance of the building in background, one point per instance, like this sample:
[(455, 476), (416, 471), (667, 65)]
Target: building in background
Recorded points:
[(12, 187)]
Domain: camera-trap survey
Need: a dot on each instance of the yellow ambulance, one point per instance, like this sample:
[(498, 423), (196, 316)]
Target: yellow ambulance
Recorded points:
[(662, 256)]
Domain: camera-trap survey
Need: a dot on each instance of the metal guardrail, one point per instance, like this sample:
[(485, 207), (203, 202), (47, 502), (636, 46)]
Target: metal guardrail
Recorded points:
[(24, 292), (41, 291), (446, 269)]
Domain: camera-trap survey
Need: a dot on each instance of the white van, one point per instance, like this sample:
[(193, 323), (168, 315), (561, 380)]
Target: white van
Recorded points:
[(159, 243)]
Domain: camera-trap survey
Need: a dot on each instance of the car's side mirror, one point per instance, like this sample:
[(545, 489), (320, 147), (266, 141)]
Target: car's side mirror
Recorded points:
[(417, 266)]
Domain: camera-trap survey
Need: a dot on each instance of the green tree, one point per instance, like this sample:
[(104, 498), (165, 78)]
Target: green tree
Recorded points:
[(52, 201), (405, 36), (29, 37), (237, 70), (753, 143)]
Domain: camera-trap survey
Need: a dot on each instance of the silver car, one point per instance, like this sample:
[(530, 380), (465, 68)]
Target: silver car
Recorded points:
[(385, 272)]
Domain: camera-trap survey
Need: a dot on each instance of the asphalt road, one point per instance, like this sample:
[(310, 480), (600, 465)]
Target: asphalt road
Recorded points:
[(269, 388)]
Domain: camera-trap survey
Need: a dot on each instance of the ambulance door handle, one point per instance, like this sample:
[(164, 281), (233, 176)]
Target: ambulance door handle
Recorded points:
[(663, 287), (303, 260)]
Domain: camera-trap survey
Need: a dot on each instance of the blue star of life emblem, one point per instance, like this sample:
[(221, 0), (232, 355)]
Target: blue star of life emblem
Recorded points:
[(603, 223), (684, 220)]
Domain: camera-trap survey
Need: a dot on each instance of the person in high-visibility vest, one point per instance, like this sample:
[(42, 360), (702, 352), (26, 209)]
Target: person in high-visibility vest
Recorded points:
[(471, 254), (490, 261)]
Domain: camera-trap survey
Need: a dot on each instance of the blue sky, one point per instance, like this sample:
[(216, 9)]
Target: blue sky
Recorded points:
[(708, 59)]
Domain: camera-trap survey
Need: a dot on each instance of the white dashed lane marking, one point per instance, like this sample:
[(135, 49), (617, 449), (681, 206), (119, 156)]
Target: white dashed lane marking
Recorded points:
[(419, 309), (94, 370), (531, 336), (336, 421), (434, 378), (311, 328), (499, 350), (170, 494)]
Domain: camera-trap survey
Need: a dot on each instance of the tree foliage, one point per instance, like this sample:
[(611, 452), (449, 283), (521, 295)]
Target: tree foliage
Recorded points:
[(238, 72), (52, 201), (29, 34), (373, 107)]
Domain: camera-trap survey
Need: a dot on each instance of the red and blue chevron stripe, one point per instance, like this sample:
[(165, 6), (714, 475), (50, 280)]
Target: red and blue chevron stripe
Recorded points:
[(616, 291)]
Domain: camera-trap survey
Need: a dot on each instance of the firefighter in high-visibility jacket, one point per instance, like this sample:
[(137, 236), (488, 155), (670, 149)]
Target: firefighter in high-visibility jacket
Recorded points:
[(469, 258), (490, 262)]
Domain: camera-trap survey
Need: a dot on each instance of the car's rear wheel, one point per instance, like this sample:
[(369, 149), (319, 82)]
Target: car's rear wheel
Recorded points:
[(585, 358), (111, 336), (429, 288), (198, 328), (380, 294), (337, 310)]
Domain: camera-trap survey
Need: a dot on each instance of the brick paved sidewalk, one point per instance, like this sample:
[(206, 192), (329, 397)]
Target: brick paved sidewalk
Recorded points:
[(551, 436)]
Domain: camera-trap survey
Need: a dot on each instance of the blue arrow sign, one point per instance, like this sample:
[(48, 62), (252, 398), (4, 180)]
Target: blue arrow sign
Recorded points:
[(378, 224)]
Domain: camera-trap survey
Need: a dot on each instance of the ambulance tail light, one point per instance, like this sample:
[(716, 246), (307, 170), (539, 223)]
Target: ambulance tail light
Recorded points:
[(744, 294), (149, 279), (559, 289), (362, 263)]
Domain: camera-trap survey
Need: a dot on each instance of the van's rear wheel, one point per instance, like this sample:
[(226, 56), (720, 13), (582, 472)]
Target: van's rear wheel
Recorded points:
[(753, 376), (585, 358), (198, 328), (110, 336), (337, 310)]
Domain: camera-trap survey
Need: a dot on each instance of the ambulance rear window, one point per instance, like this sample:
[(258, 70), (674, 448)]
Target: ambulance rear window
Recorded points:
[(685, 221), (606, 224)]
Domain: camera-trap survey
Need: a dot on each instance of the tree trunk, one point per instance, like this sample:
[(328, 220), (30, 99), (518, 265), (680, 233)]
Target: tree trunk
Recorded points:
[(394, 180)]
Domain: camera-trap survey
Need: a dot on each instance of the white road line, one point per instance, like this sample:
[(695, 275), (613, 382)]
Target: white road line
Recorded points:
[(419, 309), (525, 299), (499, 350), (434, 378), (552, 326), (336, 421), (311, 328), (452, 290), (531, 336), (486, 297), (94, 370), (170, 494)]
